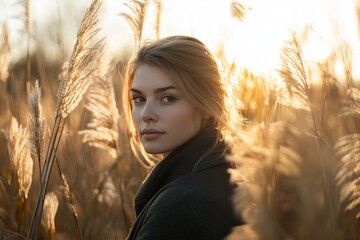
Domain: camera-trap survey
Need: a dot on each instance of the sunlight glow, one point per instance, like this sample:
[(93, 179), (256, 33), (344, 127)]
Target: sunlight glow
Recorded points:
[(254, 43)]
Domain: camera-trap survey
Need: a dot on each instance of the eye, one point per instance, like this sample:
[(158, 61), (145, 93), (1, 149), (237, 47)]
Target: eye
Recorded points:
[(168, 99), (137, 99)]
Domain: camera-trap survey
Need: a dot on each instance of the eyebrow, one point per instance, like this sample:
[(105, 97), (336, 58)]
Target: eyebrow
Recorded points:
[(158, 90)]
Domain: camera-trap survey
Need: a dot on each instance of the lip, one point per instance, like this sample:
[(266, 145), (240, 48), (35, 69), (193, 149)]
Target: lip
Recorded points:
[(151, 134)]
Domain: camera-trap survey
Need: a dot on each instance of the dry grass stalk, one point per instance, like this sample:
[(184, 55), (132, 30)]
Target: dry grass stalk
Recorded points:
[(27, 24), (19, 148), (69, 197), (51, 205), (159, 8), (4, 53), (136, 18), (72, 87), (103, 127), (36, 124)]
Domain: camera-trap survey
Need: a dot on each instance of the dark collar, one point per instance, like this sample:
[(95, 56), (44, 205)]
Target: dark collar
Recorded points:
[(180, 162)]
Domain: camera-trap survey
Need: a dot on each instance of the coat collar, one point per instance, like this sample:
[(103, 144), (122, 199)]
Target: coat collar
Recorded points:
[(180, 162)]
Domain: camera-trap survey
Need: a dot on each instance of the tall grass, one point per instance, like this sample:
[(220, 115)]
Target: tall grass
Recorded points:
[(297, 175), (297, 164)]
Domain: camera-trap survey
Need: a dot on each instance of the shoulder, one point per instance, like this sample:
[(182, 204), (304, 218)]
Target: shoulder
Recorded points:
[(186, 214), (195, 205), (175, 214)]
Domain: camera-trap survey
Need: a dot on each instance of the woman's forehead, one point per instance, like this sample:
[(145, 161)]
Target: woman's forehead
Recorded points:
[(151, 76)]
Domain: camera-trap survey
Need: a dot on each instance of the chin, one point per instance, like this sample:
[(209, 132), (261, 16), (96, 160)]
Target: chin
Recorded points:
[(155, 150)]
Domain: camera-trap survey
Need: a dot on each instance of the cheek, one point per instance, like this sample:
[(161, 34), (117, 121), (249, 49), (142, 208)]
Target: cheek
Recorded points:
[(187, 119), (136, 117)]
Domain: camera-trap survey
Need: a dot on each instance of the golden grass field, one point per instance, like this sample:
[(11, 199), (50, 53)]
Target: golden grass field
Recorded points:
[(64, 143)]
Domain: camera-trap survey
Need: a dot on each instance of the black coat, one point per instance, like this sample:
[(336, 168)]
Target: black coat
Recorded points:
[(184, 198)]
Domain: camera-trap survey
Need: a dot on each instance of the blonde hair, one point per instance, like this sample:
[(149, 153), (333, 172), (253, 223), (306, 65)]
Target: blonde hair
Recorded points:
[(194, 70)]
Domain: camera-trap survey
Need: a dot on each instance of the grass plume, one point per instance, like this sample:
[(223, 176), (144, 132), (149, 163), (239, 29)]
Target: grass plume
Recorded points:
[(348, 175), (103, 127), (351, 104), (238, 10), (136, 18), (36, 124), (20, 155), (348, 148), (294, 76), (51, 205), (82, 64)]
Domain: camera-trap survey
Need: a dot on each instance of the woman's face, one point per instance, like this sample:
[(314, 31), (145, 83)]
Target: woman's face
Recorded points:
[(164, 118)]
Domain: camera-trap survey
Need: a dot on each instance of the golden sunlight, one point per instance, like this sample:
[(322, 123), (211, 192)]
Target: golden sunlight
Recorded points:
[(255, 43)]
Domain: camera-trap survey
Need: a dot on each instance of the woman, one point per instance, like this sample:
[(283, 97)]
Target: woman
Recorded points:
[(178, 111)]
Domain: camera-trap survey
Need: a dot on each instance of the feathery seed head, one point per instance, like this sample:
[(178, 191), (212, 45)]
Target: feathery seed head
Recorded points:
[(351, 104), (19, 148), (51, 205), (136, 18), (238, 10), (75, 82), (36, 122), (294, 76), (348, 175)]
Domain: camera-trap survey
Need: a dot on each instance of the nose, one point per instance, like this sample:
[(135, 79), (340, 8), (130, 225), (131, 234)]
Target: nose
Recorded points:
[(149, 112)]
